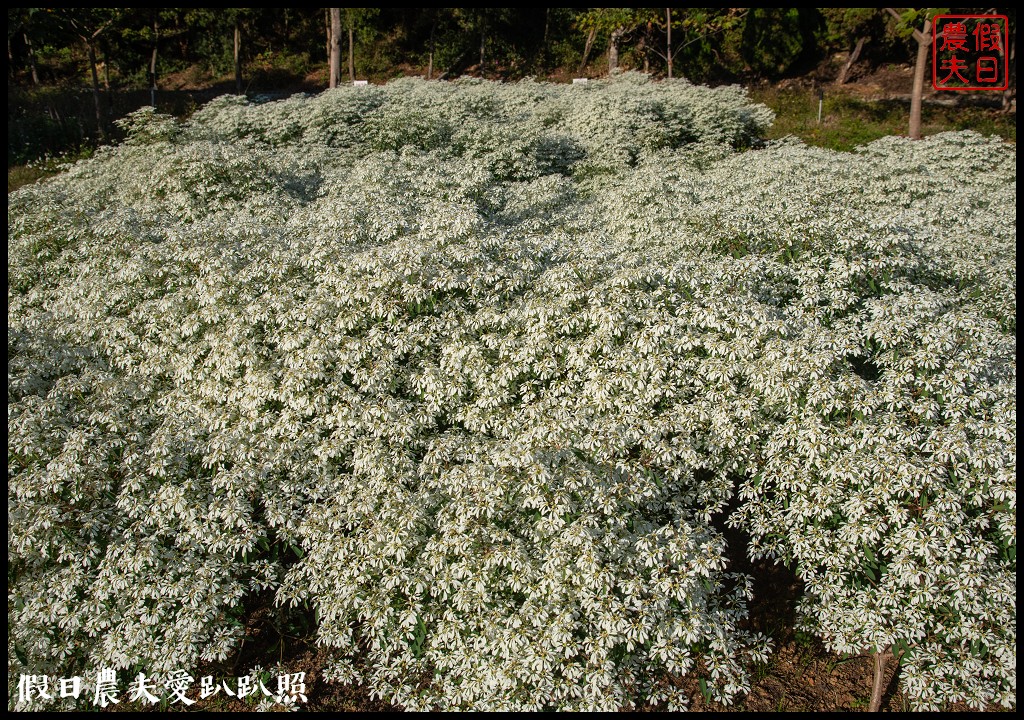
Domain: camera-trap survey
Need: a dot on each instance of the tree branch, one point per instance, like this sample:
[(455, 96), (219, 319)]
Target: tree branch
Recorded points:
[(918, 35), (892, 11), (102, 27), (707, 33)]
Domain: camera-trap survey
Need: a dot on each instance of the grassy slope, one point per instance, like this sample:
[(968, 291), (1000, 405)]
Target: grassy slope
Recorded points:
[(849, 120)]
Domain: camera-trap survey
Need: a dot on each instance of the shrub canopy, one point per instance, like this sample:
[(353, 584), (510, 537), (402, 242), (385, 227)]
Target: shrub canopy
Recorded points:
[(475, 371)]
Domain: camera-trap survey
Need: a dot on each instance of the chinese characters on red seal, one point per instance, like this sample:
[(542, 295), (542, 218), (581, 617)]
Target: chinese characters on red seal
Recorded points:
[(969, 52)]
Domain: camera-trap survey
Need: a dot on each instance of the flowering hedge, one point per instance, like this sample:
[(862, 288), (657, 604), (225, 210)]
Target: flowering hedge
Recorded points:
[(475, 370)]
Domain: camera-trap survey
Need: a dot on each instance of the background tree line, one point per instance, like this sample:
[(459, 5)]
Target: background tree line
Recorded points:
[(127, 46), (107, 51)]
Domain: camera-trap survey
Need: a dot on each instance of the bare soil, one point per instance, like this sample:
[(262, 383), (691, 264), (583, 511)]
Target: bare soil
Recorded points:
[(889, 83), (800, 676)]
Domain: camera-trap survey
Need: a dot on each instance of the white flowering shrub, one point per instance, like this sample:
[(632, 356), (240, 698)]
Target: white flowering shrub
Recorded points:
[(889, 480), (519, 132), (474, 372)]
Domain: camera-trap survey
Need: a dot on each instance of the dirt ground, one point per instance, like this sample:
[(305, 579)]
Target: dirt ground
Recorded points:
[(801, 675), (889, 82)]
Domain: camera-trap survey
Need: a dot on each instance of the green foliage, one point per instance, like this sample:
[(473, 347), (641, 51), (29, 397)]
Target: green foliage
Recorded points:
[(843, 26), (911, 19), (769, 44), (44, 122), (605, 20)]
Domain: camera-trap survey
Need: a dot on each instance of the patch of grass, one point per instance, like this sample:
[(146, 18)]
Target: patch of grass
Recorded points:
[(21, 175), (848, 121), (987, 122), (764, 670), (805, 641)]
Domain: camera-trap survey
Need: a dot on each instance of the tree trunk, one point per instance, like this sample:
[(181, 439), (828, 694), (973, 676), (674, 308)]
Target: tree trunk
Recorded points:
[(850, 61), (106, 72), (96, 91), (544, 42), (31, 59), (430, 62), (586, 49), (106, 80), (152, 65), (335, 46), (877, 687), (924, 40), (613, 50), (483, 44), (238, 57), (668, 42), (1010, 93), (351, 53)]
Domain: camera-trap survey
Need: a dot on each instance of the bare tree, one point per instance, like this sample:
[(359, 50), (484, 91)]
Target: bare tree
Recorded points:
[(89, 26), (924, 40)]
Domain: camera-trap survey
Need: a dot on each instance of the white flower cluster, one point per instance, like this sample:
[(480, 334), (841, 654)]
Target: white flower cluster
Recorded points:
[(474, 370), (517, 131)]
